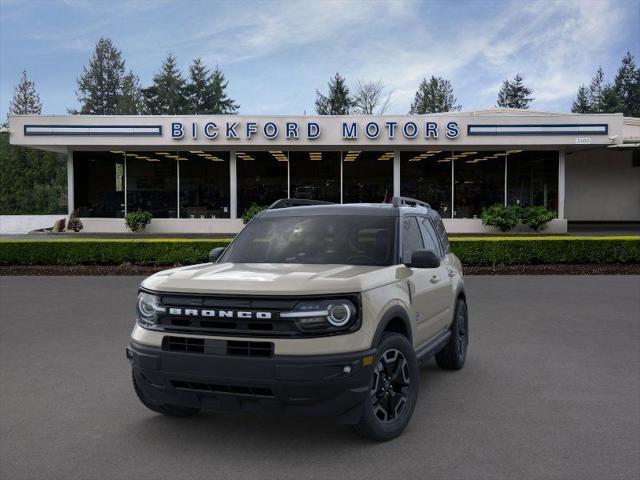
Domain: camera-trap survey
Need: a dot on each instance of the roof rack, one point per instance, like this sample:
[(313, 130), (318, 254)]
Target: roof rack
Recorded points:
[(408, 202), (296, 202)]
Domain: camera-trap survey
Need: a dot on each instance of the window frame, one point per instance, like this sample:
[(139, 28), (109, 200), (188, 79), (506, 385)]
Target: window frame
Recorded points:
[(401, 230), (435, 237)]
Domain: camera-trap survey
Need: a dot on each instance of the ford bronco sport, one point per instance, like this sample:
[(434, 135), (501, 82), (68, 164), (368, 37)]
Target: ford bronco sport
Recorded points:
[(320, 309)]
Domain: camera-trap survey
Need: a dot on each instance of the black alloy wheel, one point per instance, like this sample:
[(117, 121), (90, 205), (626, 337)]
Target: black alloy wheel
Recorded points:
[(391, 383)]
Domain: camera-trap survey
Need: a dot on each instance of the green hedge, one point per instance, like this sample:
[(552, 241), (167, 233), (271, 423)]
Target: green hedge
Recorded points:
[(471, 251), (107, 252), (540, 250)]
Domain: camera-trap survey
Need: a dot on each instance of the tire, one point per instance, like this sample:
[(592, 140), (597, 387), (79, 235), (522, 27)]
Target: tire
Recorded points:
[(168, 410), (454, 354), (393, 390)]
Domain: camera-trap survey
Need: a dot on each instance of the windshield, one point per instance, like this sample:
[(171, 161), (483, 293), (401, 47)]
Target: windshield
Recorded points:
[(349, 240)]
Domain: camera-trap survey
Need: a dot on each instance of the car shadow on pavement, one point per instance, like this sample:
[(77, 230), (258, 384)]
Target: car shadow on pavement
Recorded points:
[(266, 431)]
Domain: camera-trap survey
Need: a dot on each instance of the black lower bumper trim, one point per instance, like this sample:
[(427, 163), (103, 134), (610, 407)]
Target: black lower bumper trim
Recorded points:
[(311, 385)]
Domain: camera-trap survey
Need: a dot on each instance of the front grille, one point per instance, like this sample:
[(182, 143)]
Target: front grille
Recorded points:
[(234, 316), (272, 327), (217, 347), (229, 389)]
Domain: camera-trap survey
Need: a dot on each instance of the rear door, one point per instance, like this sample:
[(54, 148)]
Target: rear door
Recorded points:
[(424, 284), (442, 294)]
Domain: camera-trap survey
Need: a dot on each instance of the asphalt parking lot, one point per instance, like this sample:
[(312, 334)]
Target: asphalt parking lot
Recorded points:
[(551, 390)]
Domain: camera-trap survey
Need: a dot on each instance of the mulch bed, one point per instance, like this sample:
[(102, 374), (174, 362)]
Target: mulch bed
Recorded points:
[(551, 269)]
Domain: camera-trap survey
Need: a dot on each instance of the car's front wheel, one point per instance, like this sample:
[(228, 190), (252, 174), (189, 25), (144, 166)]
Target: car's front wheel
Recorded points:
[(393, 390)]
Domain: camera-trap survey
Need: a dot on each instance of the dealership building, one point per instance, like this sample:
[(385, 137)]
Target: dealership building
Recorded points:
[(201, 173)]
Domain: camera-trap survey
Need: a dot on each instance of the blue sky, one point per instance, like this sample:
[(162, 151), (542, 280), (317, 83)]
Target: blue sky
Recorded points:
[(276, 53)]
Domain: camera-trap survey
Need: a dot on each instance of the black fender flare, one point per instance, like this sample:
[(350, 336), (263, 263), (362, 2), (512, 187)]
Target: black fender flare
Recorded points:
[(395, 311)]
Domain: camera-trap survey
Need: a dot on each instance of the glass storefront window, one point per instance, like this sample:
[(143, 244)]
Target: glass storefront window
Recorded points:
[(478, 182), (261, 178), (204, 184), (426, 176), (152, 183), (315, 175), (99, 184), (367, 177), (532, 178)]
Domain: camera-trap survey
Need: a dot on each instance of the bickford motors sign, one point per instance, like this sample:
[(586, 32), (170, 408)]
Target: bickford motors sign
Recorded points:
[(294, 130)]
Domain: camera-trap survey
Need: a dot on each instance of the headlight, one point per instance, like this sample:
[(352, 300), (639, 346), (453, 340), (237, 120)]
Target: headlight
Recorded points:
[(323, 315), (147, 309)]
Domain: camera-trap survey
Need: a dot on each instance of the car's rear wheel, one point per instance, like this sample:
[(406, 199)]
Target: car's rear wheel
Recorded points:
[(169, 410), (454, 354), (393, 390)]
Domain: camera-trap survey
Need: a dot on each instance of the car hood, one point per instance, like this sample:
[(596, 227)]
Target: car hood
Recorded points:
[(271, 278)]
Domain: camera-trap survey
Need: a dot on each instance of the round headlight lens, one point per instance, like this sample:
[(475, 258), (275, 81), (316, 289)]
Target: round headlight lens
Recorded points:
[(339, 314), (148, 307)]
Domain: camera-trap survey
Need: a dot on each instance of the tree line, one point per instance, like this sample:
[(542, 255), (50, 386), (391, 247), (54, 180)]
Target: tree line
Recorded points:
[(33, 181), (106, 88), (435, 95)]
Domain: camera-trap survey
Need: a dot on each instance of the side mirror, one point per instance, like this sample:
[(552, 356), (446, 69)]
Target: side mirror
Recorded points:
[(215, 254), (424, 259)]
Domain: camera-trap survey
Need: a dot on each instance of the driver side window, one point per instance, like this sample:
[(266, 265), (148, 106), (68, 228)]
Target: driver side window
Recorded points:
[(411, 238)]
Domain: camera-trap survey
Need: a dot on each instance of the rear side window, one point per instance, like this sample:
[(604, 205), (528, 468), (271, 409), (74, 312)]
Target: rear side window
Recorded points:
[(411, 238), (430, 238), (442, 234)]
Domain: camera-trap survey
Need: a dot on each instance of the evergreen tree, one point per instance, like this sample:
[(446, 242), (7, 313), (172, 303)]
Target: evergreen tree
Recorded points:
[(167, 95), (514, 94), (25, 99), (31, 181), (206, 91), (338, 101), (196, 89), (433, 96), (581, 104), (100, 85), (596, 91), (627, 86), (130, 101), (218, 100)]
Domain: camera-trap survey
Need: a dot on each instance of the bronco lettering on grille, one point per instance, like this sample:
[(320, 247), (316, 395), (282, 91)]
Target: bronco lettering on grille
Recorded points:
[(242, 314)]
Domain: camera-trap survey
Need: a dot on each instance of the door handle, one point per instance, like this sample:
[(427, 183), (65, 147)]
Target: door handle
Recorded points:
[(435, 279), (452, 272)]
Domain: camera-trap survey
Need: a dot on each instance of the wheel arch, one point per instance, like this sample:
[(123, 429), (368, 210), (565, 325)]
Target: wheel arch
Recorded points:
[(395, 319)]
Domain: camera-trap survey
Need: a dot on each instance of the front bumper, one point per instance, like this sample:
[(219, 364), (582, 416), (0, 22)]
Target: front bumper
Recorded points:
[(312, 385)]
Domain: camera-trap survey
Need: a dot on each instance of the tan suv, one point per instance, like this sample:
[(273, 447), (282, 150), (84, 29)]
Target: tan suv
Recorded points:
[(319, 309)]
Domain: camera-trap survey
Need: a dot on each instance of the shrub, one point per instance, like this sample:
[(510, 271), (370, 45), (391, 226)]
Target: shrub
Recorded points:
[(537, 217), (74, 223), (251, 212), (137, 220), (503, 217)]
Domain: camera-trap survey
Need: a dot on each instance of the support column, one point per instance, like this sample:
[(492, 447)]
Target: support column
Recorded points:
[(233, 185), (396, 173), (70, 184), (561, 177), (506, 169)]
